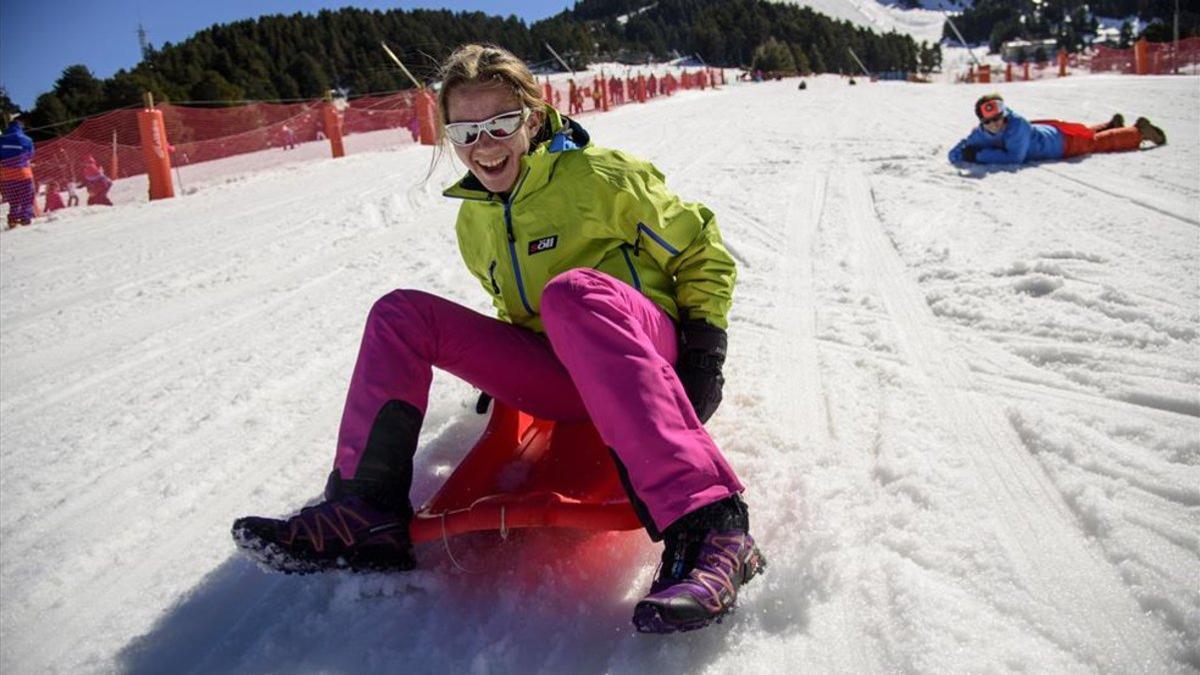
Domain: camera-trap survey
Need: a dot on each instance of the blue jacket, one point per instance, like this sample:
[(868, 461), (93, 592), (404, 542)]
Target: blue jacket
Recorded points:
[(16, 149), (1019, 142)]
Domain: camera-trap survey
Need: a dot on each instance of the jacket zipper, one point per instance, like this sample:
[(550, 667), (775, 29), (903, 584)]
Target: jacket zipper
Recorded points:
[(512, 252)]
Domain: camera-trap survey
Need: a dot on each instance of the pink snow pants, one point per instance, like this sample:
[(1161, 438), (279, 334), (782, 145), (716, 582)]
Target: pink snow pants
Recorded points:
[(607, 355)]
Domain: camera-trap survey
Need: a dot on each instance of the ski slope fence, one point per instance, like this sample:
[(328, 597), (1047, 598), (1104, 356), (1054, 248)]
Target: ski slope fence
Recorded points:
[(196, 134), (1145, 58), (1160, 58)]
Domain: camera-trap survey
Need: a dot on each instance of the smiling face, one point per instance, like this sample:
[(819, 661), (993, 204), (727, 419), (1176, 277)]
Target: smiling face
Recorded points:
[(496, 163)]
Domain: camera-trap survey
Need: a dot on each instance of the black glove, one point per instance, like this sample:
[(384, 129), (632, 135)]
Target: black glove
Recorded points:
[(970, 152), (701, 355)]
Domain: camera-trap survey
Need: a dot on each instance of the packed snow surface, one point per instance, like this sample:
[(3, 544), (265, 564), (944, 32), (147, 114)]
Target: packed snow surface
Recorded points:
[(964, 401)]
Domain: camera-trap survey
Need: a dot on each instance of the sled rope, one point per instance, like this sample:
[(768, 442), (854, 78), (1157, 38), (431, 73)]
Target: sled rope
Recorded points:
[(446, 543)]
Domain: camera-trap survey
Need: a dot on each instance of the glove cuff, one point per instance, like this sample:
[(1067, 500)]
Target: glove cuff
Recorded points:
[(700, 336)]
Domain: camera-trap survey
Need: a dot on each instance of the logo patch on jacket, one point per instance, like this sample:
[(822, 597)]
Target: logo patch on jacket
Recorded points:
[(543, 244)]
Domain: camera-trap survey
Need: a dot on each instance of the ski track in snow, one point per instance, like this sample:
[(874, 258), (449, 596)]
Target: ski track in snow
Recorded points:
[(965, 402)]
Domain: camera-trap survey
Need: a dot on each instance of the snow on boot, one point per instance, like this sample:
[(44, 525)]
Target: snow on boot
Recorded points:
[(709, 555), (1150, 132), (346, 531), (724, 562)]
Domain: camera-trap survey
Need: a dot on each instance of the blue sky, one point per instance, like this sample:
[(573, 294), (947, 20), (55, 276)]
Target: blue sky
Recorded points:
[(39, 38)]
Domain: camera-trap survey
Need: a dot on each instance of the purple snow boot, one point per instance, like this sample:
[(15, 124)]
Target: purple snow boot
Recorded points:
[(346, 531), (709, 555)]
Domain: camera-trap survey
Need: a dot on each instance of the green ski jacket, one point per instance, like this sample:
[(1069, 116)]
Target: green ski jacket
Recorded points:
[(575, 205)]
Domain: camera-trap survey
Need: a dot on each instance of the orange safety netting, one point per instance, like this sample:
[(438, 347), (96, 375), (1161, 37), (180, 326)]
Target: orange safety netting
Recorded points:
[(109, 145), (375, 113), (202, 134), (1161, 58), (589, 93)]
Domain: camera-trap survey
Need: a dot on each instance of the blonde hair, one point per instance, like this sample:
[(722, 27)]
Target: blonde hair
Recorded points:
[(485, 64)]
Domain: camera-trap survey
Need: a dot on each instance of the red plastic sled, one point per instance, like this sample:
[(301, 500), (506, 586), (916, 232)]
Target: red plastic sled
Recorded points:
[(529, 472)]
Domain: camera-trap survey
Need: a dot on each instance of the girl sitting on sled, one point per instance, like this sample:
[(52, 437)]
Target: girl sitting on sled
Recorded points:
[(612, 296)]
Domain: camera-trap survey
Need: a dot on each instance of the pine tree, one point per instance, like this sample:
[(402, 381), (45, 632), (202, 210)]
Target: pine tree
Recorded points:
[(816, 60), (774, 56), (7, 107)]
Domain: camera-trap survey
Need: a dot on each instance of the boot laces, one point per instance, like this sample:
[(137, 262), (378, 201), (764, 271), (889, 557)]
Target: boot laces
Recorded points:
[(717, 575)]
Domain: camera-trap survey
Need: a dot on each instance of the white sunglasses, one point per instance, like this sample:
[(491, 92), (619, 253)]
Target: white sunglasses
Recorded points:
[(500, 127)]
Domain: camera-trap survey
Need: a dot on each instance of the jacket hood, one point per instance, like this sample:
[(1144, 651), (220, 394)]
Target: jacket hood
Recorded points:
[(560, 134)]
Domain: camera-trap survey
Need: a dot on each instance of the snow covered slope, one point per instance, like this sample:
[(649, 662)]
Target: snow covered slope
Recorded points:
[(965, 403), (923, 23)]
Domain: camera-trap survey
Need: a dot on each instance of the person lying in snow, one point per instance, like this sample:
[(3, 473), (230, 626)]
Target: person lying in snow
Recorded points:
[(612, 296), (1004, 137)]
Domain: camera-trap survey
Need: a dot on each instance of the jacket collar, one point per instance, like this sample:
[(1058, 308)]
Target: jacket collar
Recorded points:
[(537, 165)]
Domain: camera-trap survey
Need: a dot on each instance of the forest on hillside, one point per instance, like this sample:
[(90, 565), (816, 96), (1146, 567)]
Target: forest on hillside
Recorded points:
[(1071, 23), (301, 56)]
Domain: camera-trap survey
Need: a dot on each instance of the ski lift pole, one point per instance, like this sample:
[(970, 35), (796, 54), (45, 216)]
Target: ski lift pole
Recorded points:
[(560, 59), (400, 63), (859, 62), (962, 41)]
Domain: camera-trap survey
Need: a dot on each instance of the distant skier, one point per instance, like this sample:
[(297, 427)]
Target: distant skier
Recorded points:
[(96, 182), (613, 296), (72, 195), (54, 200), (289, 137), (16, 174), (1004, 137)]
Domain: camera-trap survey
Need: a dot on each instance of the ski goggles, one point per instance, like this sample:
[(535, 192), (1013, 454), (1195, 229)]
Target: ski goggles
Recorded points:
[(500, 127), (990, 111)]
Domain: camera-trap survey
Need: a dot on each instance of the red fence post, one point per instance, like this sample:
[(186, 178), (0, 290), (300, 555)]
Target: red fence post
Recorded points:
[(153, 134), (333, 128), (1062, 63), (426, 117), (114, 168), (1008, 72), (1141, 57)]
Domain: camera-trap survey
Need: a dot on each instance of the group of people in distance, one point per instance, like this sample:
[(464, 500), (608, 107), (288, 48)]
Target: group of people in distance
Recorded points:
[(18, 186)]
